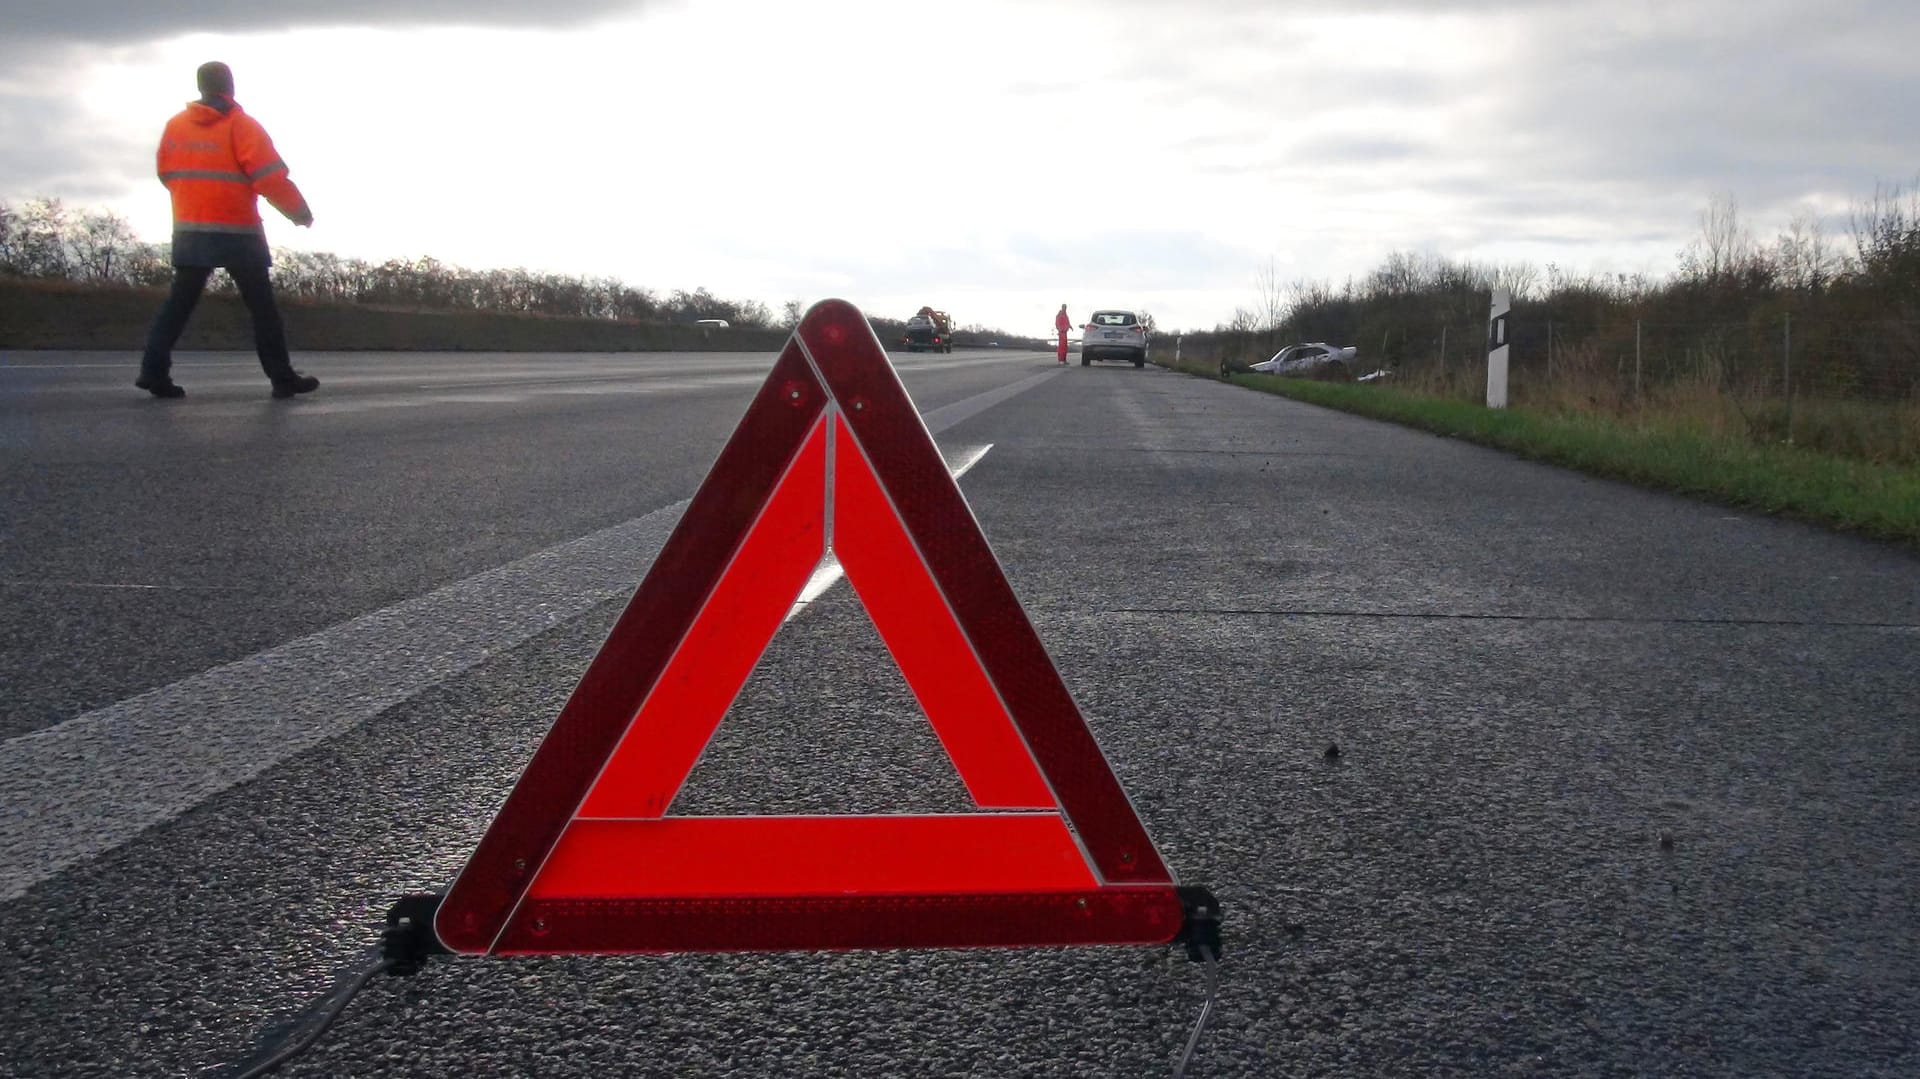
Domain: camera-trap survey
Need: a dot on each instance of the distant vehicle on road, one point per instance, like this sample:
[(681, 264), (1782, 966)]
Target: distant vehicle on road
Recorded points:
[(714, 323), (929, 329), (1315, 360), (1117, 335)]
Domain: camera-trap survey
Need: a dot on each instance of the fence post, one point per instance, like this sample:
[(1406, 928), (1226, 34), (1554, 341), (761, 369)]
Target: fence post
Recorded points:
[(1786, 369), (1443, 348), (1636, 359), (1549, 350)]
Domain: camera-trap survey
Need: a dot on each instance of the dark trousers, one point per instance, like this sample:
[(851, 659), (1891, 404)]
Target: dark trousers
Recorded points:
[(256, 289)]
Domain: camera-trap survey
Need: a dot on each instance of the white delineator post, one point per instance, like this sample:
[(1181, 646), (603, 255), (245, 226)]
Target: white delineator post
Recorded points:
[(1497, 348)]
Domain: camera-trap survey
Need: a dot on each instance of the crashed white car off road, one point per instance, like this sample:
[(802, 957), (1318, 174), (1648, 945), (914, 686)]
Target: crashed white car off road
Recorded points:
[(1305, 359)]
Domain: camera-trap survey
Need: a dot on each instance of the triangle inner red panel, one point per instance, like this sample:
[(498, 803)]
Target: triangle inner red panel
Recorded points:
[(726, 640), (832, 454), (933, 512), (636, 651), (919, 628)]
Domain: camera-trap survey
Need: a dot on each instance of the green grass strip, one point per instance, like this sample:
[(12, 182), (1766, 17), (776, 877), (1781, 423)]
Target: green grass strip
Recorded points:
[(1878, 500)]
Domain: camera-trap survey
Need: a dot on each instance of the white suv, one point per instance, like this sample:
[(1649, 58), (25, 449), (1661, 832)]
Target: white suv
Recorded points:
[(1117, 335)]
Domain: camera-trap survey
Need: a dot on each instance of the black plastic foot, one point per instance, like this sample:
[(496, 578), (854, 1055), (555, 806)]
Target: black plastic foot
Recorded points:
[(410, 940), (1201, 929)]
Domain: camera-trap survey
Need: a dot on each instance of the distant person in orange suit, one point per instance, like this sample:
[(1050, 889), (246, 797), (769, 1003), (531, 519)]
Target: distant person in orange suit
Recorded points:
[(1062, 323), (216, 162)]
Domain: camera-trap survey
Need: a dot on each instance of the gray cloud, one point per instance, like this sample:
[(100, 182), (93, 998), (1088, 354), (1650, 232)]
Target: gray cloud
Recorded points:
[(119, 21), (1763, 100), (1136, 260), (1610, 121), (1204, 9), (50, 144), (46, 40), (1607, 121), (89, 168)]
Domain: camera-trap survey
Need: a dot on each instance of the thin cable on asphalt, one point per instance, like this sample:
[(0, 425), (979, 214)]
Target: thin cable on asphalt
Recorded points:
[(320, 1015), (1211, 966)]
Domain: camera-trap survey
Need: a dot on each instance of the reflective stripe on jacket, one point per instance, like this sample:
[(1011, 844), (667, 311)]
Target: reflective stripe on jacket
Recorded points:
[(216, 161)]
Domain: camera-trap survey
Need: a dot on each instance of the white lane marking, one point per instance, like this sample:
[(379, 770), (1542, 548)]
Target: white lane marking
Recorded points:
[(112, 586), (946, 416), (507, 394), (830, 571), (132, 367), (89, 784), (349, 405), (81, 788), (605, 382)]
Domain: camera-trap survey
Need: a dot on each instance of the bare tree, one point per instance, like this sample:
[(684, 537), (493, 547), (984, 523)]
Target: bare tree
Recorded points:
[(1886, 231), (1303, 294), (752, 313), (9, 238), (1270, 302), (37, 240), (1723, 246), (791, 312), (1403, 273), (1519, 278), (43, 238), (103, 249), (1804, 255)]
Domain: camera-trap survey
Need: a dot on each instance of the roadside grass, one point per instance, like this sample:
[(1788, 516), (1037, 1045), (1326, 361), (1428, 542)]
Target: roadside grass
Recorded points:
[(1665, 450), (1882, 431)]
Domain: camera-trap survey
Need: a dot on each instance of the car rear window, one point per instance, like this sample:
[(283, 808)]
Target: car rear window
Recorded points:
[(1113, 318)]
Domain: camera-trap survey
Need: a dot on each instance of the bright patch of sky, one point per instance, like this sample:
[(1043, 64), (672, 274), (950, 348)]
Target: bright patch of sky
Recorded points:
[(995, 158)]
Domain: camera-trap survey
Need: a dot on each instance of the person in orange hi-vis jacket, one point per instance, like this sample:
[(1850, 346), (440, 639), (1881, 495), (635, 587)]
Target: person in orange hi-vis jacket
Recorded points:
[(216, 162), (1062, 323)]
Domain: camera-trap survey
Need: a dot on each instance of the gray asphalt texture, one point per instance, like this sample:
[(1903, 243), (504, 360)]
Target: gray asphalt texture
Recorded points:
[(1626, 784)]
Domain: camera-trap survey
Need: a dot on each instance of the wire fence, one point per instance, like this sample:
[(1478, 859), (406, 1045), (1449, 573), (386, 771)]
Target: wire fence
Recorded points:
[(1632, 359), (1849, 388)]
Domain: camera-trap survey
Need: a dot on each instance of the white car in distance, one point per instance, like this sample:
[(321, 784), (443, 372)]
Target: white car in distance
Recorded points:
[(1304, 359), (1118, 335)]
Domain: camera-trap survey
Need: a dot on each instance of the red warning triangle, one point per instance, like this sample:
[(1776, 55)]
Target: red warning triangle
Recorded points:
[(832, 455)]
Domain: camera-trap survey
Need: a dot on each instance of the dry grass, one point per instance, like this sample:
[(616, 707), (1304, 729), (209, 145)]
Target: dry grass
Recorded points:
[(1706, 403)]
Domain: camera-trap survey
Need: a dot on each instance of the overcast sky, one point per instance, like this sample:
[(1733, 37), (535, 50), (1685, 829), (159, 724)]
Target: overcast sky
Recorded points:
[(992, 157)]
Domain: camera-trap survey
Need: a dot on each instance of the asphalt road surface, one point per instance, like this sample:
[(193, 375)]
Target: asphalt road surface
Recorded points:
[(1627, 784)]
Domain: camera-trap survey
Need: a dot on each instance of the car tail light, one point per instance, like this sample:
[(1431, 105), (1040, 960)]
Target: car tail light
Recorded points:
[(1139, 329)]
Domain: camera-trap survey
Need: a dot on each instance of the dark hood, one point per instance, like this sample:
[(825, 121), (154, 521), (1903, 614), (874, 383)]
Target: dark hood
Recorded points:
[(211, 110)]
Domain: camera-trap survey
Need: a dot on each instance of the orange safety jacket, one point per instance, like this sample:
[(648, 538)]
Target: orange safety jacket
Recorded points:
[(1061, 322), (216, 161)]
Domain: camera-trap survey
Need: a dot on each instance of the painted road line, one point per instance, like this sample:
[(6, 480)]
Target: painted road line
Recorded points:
[(85, 786), (946, 416)]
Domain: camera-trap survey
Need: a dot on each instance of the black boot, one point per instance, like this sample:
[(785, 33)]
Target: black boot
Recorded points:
[(299, 383), (160, 386)]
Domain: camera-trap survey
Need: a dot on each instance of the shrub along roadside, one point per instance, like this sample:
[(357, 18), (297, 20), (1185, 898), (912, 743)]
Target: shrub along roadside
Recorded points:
[(63, 315), (1875, 499)]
